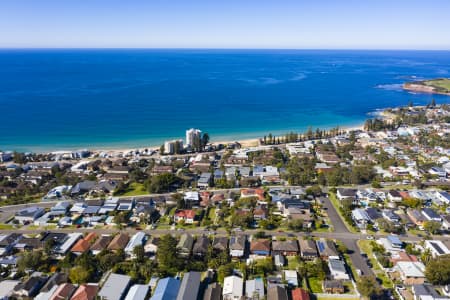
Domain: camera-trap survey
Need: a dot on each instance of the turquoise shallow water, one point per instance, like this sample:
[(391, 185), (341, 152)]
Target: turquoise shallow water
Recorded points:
[(69, 99)]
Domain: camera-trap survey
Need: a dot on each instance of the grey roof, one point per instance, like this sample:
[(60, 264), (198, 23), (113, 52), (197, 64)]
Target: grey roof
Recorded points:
[(190, 286), (220, 243), (201, 245), (237, 242), (285, 246), (277, 293), (115, 287), (213, 292), (337, 265)]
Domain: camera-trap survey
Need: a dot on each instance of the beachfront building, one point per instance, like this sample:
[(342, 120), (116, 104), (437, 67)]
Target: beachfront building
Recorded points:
[(174, 146), (192, 137)]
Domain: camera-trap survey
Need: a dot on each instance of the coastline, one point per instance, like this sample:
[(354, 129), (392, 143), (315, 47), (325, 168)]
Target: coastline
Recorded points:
[(245, 143)]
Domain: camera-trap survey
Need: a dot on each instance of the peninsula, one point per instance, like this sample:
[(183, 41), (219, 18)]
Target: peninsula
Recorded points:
[(433, 86)]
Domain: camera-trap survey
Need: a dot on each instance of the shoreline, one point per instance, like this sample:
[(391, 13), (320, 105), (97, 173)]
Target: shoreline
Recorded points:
[(245, 143)]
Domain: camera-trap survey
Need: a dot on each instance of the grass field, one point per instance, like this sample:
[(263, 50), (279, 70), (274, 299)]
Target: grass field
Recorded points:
[(135, 189), (315, 285), (443, 83)]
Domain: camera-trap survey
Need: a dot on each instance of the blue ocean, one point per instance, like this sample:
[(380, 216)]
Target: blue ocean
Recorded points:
[(71, 99)]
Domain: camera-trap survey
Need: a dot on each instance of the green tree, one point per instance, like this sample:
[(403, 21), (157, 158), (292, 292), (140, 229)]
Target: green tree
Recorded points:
[(168, 261), (369, 287), (432, 227), (79, 275), (139, 253), (437, 270)]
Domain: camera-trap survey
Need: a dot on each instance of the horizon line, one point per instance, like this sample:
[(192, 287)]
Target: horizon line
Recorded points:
[(220, 48)]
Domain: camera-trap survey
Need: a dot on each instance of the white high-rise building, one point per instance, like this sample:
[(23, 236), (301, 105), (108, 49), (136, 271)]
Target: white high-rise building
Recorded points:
[(170, 146), (191, 135)]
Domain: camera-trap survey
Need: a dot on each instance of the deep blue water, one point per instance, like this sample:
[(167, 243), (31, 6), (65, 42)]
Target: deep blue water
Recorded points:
[(68, 99)]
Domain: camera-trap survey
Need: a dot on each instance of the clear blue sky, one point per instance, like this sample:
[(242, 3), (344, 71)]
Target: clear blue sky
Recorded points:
[(377, 24)]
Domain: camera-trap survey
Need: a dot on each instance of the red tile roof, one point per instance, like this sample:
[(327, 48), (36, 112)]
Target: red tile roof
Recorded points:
[(300, 294)]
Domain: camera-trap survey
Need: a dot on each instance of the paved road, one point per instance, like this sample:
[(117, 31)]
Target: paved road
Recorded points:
[(349, 239)]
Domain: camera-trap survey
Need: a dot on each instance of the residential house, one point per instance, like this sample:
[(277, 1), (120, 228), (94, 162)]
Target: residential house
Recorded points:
[(115, 287), (137, 239), (343, 193), (287, 248), (326, 249), (436, 247), (431, 215), (84, 244), (60, 209), (337, 269), (185, 244), (119, 241), (109, 205), (7, 242), (291, 277), (151, 246), (191, 199), (299, 294), (333, 287), (64, 291), (233, 288), (201, 246), (71, 239), (441, 198), (237, 245), (390, 216), (101, 244), (138, 292), (31, 286), (205, 180), (167, 289), (220, 243), (29, 214), (254, 289), (426, 292), (213, 292), (190, 286), (360, 218), (187, 215), (7, 288), (277, 292), (260, 247), (416, 217), (411, 272), (85, 292), (394, 196), (308, 249)]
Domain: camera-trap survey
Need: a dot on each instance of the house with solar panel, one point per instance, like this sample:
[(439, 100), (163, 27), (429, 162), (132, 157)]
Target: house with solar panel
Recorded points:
[(327, 249), (437, 248)]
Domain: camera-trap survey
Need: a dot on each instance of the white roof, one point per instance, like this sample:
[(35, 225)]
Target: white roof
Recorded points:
[(73, 237), (411, 269), (6, 287), (137, 292), (135, 240), (233, 285)]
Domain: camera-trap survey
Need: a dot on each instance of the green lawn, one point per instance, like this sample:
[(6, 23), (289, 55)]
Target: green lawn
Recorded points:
[(6, 226), (365, 246), (315, 285), (135, 189), (292, 263), (443, 83)]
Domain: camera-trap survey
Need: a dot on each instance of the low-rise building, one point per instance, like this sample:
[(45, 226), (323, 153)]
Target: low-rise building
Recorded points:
[(115, 287), (233, 288)]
